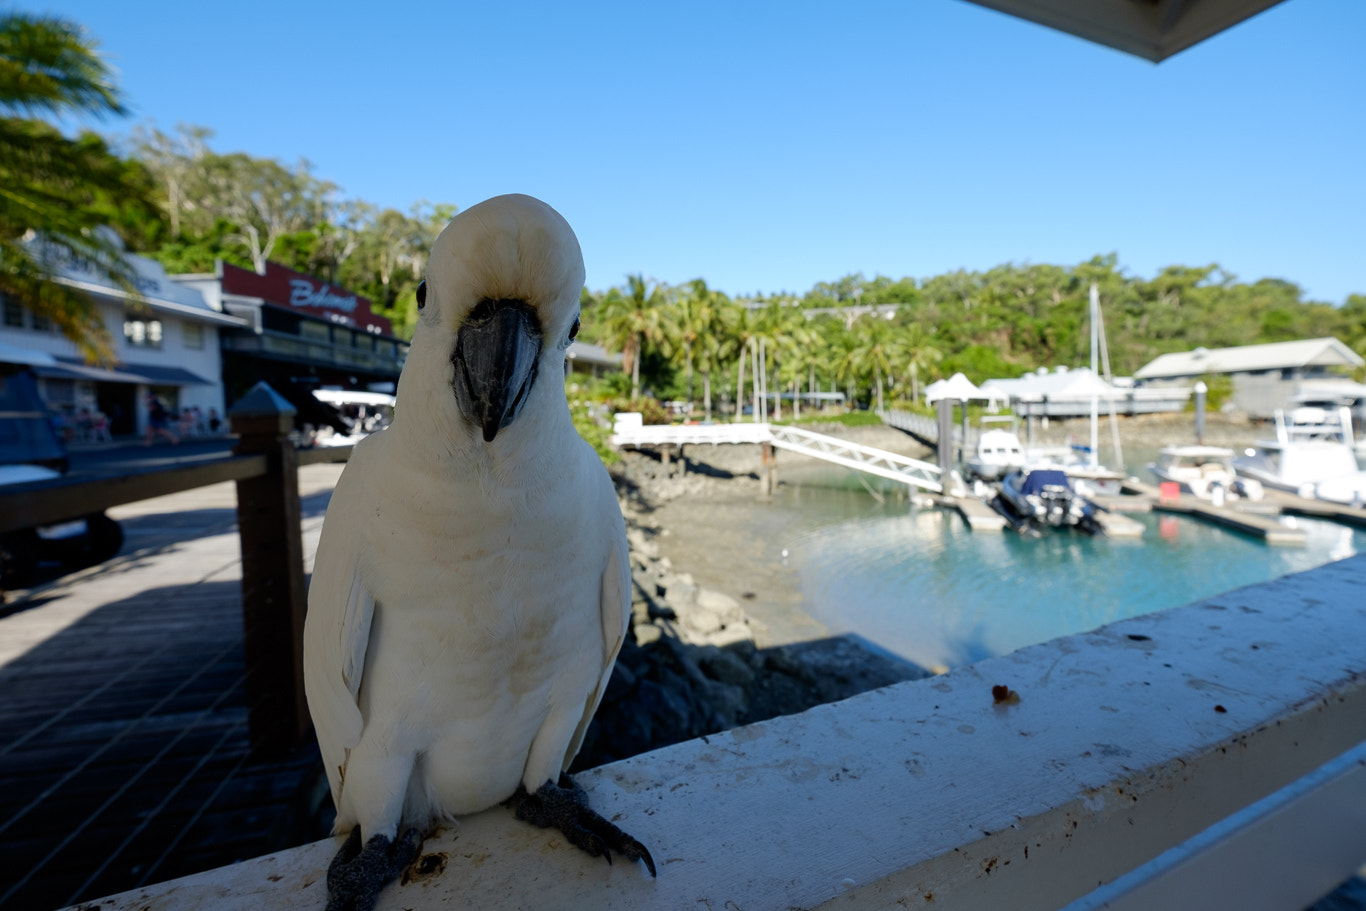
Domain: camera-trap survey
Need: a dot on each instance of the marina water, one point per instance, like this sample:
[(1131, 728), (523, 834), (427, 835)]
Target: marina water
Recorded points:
[(918, 583)]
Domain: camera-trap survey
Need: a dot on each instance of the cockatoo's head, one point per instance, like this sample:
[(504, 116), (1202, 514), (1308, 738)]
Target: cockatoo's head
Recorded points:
[(498, 308)]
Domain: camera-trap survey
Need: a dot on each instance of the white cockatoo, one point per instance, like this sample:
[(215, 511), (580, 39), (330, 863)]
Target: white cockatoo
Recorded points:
[(472, 584)]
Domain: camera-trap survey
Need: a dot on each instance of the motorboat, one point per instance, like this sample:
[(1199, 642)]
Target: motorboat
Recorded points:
[(998, 453), (1088, 478), (1032, 499), (1313, 456), (1206, 472), (1330, 403)]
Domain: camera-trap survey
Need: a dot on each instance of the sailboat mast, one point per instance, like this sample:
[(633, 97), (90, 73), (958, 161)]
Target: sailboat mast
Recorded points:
[(1095, 375)]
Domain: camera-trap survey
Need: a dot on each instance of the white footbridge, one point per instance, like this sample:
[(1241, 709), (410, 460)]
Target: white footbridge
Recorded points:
[(629, 431)]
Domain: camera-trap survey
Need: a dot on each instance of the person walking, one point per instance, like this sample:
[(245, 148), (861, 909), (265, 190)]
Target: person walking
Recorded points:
[(157, 420)]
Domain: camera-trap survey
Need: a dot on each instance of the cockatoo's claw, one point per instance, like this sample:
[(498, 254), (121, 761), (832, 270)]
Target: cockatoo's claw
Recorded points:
[(356, 875), (565, 807)]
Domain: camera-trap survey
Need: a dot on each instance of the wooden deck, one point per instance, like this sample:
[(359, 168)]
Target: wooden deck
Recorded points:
[(1268, 529), (123, 722), (978, 515)]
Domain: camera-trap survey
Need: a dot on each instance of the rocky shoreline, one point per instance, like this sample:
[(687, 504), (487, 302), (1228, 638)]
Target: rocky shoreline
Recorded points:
[(695, 662), (724, 639)]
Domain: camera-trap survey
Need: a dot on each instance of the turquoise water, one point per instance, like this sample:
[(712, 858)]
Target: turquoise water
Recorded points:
[(918, 583)]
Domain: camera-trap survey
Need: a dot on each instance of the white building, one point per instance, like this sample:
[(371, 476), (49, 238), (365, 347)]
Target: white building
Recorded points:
[(1265, 377), (166, 343), (590, 360), (1064, 393)]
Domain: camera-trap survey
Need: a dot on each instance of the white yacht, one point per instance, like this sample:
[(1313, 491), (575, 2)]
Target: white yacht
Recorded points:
[(1313, 455), (998, 453), (1204, 471)]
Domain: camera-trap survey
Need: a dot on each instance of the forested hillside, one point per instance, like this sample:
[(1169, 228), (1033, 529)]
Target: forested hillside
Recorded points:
[(178, 199)]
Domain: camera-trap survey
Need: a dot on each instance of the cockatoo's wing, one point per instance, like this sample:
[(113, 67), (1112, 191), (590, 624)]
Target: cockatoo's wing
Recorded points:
[(336, 635), (616, 614)]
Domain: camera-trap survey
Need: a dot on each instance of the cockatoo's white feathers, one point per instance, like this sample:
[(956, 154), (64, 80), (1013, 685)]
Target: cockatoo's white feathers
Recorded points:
[(471, 587)]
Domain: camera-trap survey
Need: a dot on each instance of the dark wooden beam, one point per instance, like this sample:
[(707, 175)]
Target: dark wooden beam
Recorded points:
[(48, 502)]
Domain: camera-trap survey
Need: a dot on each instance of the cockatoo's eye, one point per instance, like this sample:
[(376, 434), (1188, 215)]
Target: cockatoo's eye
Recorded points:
[(422, 294), (574, 330)]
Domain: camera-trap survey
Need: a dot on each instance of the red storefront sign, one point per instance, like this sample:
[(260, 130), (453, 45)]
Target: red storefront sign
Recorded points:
[(286, 288)]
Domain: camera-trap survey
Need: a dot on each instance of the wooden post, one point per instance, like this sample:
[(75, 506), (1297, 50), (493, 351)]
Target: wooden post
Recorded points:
[(768, 470), (1201, 390), (945, 443), (274, 597)]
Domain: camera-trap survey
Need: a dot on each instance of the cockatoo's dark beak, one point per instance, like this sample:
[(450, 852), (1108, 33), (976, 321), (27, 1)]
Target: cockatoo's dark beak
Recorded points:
[(495, 361)]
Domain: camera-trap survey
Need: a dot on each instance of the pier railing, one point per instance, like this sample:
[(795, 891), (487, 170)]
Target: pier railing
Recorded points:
[(925, 429), (265, 468), (628, 431), (1204, 756), (1207, 756)]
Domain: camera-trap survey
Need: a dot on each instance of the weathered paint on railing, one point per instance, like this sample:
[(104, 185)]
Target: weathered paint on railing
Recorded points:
[(1124, 743)]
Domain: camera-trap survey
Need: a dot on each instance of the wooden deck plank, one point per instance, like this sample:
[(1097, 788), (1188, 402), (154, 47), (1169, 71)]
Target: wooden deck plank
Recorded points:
[(1268, 529), (139, 663)]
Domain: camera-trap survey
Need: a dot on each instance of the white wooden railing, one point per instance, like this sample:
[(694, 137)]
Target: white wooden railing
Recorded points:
[(1147, 742)]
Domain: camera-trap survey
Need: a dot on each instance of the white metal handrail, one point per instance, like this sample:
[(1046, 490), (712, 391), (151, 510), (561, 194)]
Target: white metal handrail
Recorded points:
[(867, 459)]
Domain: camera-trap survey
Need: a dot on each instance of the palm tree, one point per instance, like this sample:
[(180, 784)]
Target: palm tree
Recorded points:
[(712, 343), (873, 349), (48, 66), (739, 332), (787, 338), (920, 353), (684, 323), (634, 317)]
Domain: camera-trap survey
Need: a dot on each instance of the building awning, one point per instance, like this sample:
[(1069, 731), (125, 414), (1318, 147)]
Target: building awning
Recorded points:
[(145, 374), (13, 354), (166, 376)]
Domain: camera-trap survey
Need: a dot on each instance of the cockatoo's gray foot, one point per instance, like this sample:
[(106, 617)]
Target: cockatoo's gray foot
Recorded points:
[(565, 806), (356, 875)]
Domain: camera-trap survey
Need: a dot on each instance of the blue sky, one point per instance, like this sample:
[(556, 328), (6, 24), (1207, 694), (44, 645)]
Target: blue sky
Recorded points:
[(768, 146)]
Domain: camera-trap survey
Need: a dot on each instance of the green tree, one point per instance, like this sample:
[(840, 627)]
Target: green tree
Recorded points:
[(877, 348), (691, 324), (634, 318), (51, 187), (262, 199), (920, 355)]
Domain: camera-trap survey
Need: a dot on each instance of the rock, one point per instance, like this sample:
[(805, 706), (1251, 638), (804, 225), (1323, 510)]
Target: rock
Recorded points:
[(680, 590), (721, 604), (647, 634), (726, 667), (733, 636), (727, 704), (620, 684), (702, 621)]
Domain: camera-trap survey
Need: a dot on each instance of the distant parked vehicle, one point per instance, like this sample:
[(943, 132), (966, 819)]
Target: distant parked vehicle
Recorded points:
[(30, 450), (363, 413)]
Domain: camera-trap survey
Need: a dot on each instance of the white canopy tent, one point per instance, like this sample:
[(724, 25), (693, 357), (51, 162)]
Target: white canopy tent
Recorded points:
[(959, 388)]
